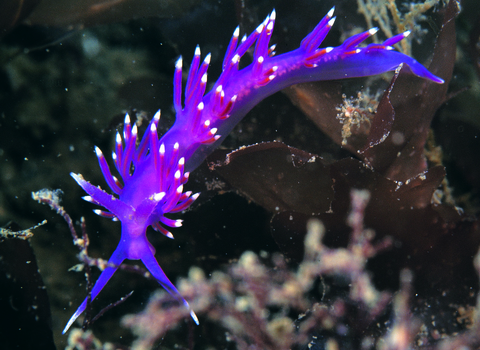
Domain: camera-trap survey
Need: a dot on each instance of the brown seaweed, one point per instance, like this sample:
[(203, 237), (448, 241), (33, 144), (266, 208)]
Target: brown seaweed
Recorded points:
[(399, 129), (435, 240)]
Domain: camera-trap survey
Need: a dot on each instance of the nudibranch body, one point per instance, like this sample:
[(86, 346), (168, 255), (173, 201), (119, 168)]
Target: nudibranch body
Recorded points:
[(154, 171)]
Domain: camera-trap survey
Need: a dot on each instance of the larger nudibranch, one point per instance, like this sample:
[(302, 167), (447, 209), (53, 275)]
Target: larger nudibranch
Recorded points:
[(153, 173)]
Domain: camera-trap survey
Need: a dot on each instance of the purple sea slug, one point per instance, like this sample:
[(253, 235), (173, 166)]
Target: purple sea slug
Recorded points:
[(153, 173)]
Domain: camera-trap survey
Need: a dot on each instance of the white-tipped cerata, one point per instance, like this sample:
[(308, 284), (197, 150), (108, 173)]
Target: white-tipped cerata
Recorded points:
[(156, 117), (98, 152), (273, 15), (179, 63), (330, 13), (208, 58)]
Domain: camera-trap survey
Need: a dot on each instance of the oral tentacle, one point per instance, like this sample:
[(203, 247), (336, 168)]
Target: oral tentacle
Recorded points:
[(115, 260)]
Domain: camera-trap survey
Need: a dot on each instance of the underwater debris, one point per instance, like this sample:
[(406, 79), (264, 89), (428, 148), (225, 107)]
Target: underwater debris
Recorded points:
[(356, 112), (387, 15), (85, 340), (23, 234)]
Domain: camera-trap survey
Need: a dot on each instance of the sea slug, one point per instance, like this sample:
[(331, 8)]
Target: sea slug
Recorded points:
[(153, 173)]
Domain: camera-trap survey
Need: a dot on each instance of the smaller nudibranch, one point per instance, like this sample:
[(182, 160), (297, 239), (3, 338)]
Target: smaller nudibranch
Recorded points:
[(154, 172)]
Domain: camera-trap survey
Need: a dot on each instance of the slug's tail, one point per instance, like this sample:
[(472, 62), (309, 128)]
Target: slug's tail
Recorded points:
[(239, 88), (115, 260)]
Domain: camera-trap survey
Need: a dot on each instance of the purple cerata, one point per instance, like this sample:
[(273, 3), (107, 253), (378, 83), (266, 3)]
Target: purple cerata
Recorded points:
[(153, 173)]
